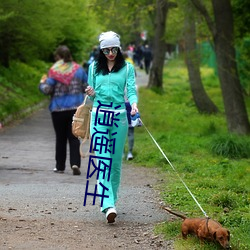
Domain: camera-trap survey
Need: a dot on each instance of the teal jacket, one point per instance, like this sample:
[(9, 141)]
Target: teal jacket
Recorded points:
[(111, 87)]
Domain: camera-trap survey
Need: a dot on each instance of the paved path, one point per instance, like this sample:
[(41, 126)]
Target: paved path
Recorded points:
[(31, 194), (141, 78)]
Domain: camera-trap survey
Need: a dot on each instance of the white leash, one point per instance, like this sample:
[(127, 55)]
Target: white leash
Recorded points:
[(174, 169)]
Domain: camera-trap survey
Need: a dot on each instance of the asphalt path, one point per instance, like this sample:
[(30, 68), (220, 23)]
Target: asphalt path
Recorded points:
[(29, 189)]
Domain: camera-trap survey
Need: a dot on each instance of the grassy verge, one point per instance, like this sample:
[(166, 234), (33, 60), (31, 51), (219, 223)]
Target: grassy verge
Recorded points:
[(213, 164), (19, 88)]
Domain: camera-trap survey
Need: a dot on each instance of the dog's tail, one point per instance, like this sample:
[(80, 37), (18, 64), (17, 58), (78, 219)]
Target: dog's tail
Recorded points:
[(175, 213)]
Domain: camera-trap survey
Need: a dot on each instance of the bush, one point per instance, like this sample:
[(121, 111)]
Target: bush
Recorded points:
[(231, 146), (19, 88)]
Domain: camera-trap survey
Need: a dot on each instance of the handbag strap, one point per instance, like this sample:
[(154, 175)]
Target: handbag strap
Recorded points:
[(92, 73), (126, 83), (85, 99), (84, 154), (84, 140), (127, 73)]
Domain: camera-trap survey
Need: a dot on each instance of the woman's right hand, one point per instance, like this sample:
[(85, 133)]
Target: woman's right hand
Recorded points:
[(90, 91)]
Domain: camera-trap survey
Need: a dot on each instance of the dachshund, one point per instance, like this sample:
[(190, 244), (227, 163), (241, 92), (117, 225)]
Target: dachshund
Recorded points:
[(204, 229)]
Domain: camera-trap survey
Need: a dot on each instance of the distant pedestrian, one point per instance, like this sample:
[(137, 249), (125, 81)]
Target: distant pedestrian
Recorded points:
[(139, 56), (147, 54), (128, 108), (65, 84), (93, 55)]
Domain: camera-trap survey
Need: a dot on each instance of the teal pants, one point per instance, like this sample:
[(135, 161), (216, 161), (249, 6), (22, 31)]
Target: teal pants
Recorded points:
[(116, 167)]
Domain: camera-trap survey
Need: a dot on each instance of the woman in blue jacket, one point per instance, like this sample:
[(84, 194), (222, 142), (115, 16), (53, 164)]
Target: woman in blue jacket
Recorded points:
[(65, 84), (108, 77)]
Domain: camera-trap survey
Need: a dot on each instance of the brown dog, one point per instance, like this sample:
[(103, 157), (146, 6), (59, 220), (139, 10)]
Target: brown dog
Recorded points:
[(204, 229)]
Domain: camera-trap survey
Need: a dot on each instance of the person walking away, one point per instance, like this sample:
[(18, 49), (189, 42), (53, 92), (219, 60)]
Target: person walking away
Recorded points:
[(139, 56), (147, 54), (108, 78), (131, 129), (130, 133), (65, 84), (93, 55)]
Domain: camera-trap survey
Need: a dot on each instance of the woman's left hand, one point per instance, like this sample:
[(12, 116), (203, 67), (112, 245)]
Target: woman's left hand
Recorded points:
[(134, 109)]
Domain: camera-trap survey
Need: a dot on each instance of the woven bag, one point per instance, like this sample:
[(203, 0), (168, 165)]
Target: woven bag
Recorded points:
[(81, 121), (81, 125)]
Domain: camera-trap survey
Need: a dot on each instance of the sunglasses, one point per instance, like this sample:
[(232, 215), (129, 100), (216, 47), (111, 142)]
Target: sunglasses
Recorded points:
[(106, 51)]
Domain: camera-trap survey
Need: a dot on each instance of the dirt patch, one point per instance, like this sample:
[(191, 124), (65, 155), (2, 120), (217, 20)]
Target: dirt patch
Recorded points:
[(51, 234)]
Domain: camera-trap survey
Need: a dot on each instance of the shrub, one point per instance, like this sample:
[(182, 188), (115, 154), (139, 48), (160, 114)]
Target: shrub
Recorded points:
[(231, 146)]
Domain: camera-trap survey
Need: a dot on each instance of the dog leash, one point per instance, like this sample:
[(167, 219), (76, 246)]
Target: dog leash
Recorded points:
[(174, 169)]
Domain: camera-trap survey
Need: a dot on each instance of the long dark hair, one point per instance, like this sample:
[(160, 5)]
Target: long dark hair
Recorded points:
[(101, 63)]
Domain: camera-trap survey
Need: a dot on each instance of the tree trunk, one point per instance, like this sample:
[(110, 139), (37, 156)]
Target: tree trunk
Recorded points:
[(235, 109), (223, 38), (159, 47), (201, 99)]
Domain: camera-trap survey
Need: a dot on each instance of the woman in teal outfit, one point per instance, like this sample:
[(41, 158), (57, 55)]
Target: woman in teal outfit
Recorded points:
[(108, 78)]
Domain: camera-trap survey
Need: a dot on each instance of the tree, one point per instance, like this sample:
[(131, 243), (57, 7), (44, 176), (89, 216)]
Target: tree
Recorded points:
[(126, 17), (201, 99), (28, 33), (242, 33), (159, 46), (223, 38)]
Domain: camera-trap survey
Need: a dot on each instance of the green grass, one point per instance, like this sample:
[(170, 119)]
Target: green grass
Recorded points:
[(214, 164), (19, 88)]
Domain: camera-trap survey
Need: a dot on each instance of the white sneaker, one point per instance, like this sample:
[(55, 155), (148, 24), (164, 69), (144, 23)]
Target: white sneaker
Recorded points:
[(111, 214), (129, 156), (58, 171)]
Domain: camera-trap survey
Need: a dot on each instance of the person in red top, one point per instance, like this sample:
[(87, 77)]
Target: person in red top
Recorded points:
[(65, 84)]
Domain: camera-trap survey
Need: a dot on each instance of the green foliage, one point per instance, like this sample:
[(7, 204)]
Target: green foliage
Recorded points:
[(241, 17), (29, 33), (19, 87), (219, 183), (243, 59), (128, 18), (176, 18), (224, 200), (231, 146), (175, 25)]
